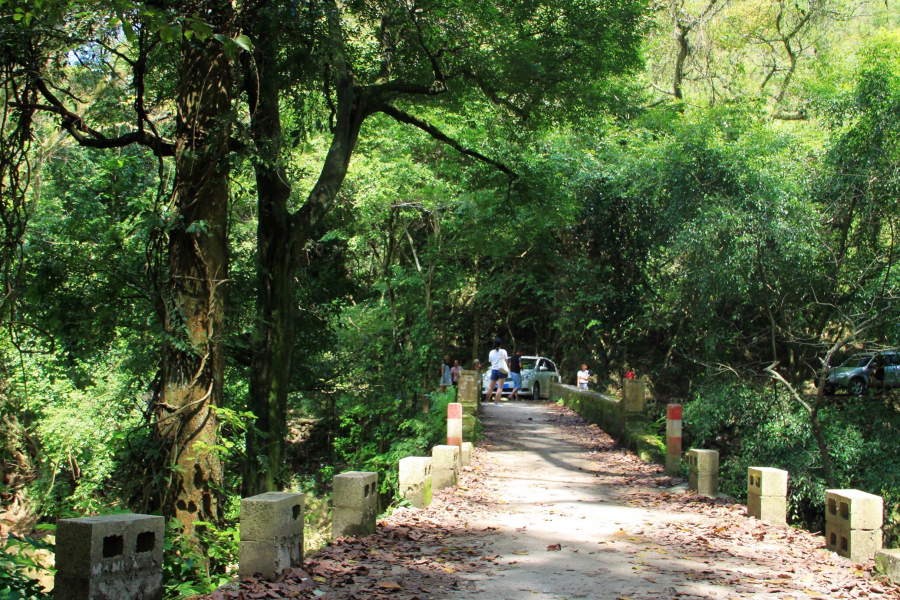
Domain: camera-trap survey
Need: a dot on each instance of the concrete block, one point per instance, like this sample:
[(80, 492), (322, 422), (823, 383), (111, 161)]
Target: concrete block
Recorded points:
[(271, 534), (633, 396), (110, 557), (355, 489), (269, 559), (854, 508), (703, 461), (416, 480), (703, 472), (446, 466), (888, 562), (350, 522), (466, 456), (271, 516), (470, 424), (765, 481), (468, 387), (355, 501), (705, 484), (859, 545), (768, 509)]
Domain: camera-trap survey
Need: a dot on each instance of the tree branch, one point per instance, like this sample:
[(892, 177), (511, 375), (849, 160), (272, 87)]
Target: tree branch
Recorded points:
[(437, 134), (75, 125)]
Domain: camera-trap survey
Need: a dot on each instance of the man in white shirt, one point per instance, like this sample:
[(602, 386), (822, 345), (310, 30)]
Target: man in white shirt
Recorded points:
[(583, 377)]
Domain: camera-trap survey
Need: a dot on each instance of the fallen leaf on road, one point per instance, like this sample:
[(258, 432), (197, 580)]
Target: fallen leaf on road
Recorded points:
[(390, 585), (554, 547), (520, 552)]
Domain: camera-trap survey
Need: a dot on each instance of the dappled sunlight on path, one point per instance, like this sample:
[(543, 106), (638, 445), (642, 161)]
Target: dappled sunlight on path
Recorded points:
[(552, 508)]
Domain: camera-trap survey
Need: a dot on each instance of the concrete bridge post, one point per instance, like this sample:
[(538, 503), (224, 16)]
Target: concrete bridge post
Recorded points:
[(853, 521), (673, 439), (416, 480), (110, 557), (703, 472), (271, 534), (355, 502), (446, 466), (767, 494), (468, 393), (454, 425), (465, 456)]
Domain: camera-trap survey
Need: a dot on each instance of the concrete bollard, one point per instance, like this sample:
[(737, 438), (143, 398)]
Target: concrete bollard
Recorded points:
[(466, 454), (853, 521), (468, 393), (633, 396), (271, 534), (454, 424), (355, 502), (703, 472), (673, 439), (446, 466), (416, 480), (111, 557), (767, 494), (888, 562)]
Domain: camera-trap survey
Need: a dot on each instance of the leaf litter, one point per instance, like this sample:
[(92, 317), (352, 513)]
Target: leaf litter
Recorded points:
[(423, 554)]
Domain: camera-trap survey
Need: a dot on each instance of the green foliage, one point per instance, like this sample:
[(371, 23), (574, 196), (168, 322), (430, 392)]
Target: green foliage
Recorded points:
[(680, 240), (755, 425), (199, 564), (17, 567), (372, 438)]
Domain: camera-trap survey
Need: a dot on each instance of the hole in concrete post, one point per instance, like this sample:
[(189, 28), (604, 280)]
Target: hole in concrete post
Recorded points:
[(750, 480), (297, 512), (113, 545), (845, 510), (844, 544), (832, 506), (146, 541), (366, 491), (833, 540)]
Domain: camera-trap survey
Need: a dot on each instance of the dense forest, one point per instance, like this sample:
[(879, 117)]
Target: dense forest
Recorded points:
[(239, 237)]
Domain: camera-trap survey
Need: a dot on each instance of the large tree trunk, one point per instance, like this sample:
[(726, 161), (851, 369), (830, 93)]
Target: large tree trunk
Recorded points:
[(193, 361), (274, 336), (280, 233)]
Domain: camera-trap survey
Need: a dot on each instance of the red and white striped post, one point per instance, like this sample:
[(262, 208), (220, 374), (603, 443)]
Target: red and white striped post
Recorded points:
[(673, 439), (454, 425)]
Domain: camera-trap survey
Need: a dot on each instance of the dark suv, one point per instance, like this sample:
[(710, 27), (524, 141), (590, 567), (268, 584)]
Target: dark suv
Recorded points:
[(857, 373)]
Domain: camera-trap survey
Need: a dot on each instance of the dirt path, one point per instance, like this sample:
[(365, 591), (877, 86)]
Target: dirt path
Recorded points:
[(551, 508)]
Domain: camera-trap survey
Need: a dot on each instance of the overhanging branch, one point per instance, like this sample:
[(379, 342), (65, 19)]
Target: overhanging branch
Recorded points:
[(440, 136), (75, 125)]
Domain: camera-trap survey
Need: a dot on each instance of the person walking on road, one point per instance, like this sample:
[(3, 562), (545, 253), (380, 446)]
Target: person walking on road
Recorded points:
[(499, 371), (583, 377), (454, 372), (445, 374), (515, 373)]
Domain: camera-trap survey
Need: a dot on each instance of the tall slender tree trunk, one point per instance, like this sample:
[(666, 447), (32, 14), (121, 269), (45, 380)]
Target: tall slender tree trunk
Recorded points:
[(273, 340), (280, 233), (193, 360)]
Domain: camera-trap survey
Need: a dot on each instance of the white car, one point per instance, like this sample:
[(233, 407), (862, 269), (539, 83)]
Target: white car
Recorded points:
[(537, 373)]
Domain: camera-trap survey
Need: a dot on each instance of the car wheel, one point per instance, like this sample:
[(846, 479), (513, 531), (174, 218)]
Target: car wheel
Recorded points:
[(536, 391), (857, 387)]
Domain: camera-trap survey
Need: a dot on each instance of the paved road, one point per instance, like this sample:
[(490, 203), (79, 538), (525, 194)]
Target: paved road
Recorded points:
[(548, 489), (550, 495)]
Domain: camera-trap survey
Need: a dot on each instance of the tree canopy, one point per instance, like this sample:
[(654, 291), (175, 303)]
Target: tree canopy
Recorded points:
[(238, 238)]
